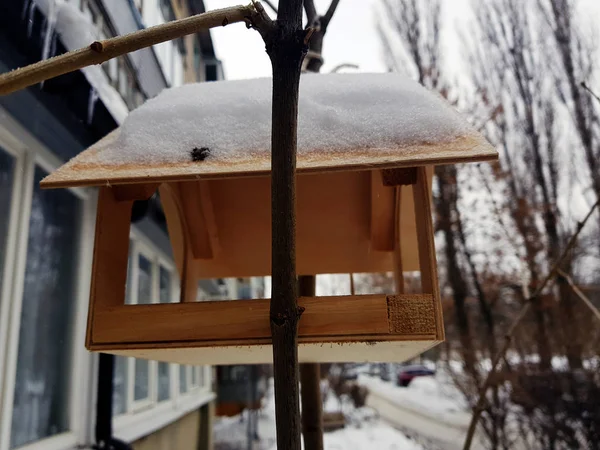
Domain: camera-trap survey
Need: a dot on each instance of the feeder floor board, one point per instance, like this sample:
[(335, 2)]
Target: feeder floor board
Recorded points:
[(371, 351)]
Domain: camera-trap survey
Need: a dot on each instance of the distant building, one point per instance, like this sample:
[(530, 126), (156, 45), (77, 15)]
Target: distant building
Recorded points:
[(48, 380)]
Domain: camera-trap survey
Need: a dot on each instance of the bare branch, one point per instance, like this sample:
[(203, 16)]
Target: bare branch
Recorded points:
[(580, 294), (271, 5), (344, 66), (329, 14), (101, 51), (311, 12), (480, 406), (587, 88)]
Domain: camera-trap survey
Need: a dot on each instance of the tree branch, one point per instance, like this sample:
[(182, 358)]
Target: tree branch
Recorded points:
[(580, 294), (271, 5), (587, 88), (329, 14), (101, 51), (311, 12), (480, 406)]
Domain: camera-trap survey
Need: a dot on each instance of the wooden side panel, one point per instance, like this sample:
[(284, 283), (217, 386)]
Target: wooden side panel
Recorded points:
[(244, 322), (427, 258), (382, 213), (111, 251)]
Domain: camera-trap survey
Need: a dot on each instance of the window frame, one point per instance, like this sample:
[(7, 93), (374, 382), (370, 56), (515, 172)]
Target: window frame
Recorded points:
[(30, 153)]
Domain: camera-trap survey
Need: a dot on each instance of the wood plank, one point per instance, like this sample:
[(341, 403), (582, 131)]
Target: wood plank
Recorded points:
[(128, 192), (372, 351), (247, 321), (198, 219), (87, 168), (427, 258), (382, 214), (111, 252), (398, 271)]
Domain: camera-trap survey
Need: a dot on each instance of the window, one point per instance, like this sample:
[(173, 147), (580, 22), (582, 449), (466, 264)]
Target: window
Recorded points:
[(140, 385), (43, 376)]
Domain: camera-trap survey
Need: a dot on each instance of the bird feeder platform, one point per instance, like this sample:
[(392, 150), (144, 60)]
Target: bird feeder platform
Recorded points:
[(363, 205)]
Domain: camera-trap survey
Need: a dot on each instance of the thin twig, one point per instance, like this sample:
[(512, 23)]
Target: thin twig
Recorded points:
[(479, 407), (330, 11), (271, 5), (101, 51), (580, 294), (311, 12), (587, 88), (344, 66)]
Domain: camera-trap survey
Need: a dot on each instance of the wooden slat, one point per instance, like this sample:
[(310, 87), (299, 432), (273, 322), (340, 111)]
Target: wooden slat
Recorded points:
[(427, 259), (398, 272), (198, 217), (126, 192), (247, 321), (382, 214), (111, 250)]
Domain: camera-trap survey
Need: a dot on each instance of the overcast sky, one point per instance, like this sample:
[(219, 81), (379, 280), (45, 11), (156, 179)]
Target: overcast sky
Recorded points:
[(351, 37)]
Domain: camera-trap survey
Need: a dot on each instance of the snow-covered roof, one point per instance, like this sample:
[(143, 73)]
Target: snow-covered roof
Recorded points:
[(210, 130)]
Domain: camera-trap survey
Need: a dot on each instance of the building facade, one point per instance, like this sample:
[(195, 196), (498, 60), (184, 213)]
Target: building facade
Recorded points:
[(48, 381)]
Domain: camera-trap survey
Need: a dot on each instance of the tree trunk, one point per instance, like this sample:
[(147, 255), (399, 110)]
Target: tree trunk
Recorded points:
[(310, 380), (285, 46)]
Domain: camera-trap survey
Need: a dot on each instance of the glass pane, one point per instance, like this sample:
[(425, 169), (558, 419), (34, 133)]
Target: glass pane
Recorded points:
[(41, 400), (7, 169), (201, 380), (194, 381), (142, 379), (183, 383), (165, 285), (164, 389), (144, 280), (120, 386)]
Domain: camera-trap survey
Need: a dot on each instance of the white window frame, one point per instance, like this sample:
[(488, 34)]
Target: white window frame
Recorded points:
[(31, 153), (143, 418)]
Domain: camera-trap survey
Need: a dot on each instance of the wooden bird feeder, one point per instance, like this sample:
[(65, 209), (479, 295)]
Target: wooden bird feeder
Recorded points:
[(367, 144)]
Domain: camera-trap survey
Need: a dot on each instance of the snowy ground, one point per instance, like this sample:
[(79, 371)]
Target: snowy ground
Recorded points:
[(434, 397), (365, 431)]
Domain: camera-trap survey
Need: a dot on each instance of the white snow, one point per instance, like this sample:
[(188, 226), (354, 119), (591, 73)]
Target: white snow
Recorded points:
[(76, 31), (337, 113), (428, 396), (364, 431)]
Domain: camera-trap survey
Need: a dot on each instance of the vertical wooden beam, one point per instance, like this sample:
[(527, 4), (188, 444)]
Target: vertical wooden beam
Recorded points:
[(427, 259), (111, 253), (310, 381), (382, 214), (398, 272)]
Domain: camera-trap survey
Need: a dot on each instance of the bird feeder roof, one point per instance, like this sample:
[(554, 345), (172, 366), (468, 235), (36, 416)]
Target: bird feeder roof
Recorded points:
[(222, 129)]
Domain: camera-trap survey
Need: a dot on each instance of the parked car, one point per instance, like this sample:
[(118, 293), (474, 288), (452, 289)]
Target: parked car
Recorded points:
[(407, 373)]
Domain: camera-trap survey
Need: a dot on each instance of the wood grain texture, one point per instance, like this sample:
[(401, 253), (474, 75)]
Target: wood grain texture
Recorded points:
[(87, 169), (128, 192), (111, 251), (198, 219), (238, 319), (427, 258), (383, 205)]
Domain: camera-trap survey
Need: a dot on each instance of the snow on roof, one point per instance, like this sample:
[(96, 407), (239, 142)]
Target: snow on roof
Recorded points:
[(344, 120)]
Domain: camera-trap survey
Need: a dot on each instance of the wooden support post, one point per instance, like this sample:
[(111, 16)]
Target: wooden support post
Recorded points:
[(310, 380)]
